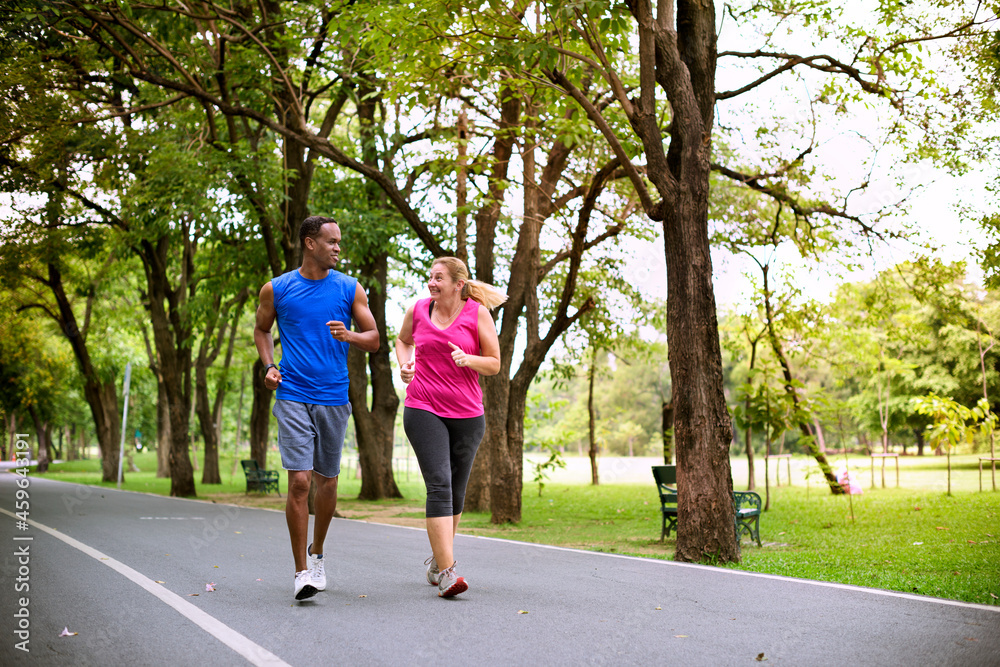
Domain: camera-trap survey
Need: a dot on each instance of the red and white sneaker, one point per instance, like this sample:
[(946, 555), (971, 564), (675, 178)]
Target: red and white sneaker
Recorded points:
[(450, 583)]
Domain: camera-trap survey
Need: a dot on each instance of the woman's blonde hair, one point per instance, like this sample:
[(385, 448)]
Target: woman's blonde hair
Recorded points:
[(476, 290)]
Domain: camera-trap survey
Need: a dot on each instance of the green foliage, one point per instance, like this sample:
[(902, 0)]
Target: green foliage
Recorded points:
[(954, 423), (544, 468)]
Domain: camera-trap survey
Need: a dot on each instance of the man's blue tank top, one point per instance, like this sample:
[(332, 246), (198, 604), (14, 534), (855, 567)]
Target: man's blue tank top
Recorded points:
[(313, 363)]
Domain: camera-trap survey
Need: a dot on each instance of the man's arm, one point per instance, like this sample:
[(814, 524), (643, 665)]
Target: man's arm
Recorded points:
[(366, 337), (262, 335)]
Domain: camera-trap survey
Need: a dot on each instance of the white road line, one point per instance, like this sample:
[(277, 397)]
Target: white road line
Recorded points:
[(256, 654), (747, 573)]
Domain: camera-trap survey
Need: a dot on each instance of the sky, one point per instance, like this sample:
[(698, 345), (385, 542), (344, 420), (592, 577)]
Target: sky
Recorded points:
[(933, 213)]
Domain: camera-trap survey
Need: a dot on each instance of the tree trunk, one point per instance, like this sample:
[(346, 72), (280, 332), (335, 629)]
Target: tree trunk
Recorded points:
[(507, 458), (101, 395), (820, 440), (804, 426), (702, 428), (918, 433), (10, 423), (374, 426), (477, 495), (181, 470), (260, 416), (210, 416), (209, 426), (162, 430), (71, 454), (667, 429), (592, 419), (42, 436), (507, 443), (57, 452), (172, 339)]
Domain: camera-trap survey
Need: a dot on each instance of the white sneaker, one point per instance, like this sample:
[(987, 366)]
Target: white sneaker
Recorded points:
[(304, 588), (316, 569), (450, 583), (433, 574)]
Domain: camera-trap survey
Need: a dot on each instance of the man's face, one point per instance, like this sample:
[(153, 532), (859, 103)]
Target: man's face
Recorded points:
[(325, 247)]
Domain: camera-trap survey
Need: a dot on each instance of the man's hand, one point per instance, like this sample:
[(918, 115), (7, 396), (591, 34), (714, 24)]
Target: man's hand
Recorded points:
[(338, 330), (272, 378)]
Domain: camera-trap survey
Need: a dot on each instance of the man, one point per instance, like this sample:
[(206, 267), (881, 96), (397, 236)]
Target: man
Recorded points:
[(313, 306)]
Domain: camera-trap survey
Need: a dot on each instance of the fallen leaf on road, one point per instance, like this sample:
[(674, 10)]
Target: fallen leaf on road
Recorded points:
[(680, 636), (158, 581), (521, 611), (67, 633), (659, 608), (238, 532), (260, 580), (362, 596), (215, 566), (193, 595), (210, 587), (760, 657), (971, 639)]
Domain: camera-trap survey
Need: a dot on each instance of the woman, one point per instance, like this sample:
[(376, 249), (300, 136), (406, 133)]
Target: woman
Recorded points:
[(446, 342)]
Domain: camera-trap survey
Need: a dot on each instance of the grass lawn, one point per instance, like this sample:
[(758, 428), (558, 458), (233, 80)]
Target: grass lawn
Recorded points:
[(914, 538)]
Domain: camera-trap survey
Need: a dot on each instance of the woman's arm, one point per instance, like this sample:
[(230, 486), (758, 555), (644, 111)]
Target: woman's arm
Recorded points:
[(487, 362), (404, 348)]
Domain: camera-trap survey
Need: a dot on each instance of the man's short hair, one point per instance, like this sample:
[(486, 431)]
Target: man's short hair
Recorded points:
[(310, 227)]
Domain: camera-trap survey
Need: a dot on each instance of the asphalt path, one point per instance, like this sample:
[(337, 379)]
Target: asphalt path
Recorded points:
[(127, 573)]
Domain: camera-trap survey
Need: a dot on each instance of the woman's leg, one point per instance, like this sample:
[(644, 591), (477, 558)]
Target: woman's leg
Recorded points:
[(441, 533), (429, 438)]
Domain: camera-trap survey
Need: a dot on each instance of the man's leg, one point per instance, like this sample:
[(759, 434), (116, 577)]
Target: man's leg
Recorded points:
[(326, 507), (297, 514), (330, 423)]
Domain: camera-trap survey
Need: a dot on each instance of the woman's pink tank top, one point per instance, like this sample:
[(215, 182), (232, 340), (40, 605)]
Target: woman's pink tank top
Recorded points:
[(438, 385)]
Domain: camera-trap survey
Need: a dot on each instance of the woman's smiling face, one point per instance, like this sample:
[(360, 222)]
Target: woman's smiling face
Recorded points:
[(440, 282)]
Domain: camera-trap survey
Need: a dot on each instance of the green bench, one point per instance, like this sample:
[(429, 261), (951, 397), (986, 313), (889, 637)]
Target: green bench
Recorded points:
[(747, 505), (258, 479)]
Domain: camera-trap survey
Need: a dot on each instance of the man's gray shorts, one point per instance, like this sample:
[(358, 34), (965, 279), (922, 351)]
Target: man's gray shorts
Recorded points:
[(311, 437)]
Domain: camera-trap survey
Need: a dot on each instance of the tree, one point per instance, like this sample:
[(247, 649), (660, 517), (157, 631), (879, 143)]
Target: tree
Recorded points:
[(951, 422), (677, 59)]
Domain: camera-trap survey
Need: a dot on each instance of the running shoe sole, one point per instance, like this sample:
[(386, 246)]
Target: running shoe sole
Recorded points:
[(458, 587), (307, 592)]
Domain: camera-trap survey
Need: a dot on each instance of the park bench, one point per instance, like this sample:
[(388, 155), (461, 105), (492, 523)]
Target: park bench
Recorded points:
[(746, 503), (258, 479)]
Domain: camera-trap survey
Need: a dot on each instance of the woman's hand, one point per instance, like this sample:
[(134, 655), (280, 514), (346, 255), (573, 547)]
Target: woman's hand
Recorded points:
[(458, 355), (406, 371)]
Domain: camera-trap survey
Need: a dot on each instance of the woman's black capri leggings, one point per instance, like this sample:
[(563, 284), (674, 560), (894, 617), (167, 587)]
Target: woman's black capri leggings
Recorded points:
[(445, 450)]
